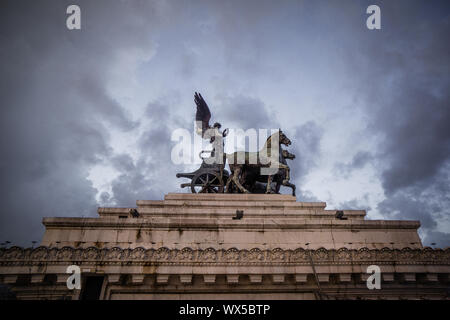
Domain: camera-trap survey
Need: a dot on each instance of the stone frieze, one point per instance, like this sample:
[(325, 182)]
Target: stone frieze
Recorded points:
[(163, 255)]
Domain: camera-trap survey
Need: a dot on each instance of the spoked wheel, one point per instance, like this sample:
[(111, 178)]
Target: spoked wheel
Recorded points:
[(207, 182)]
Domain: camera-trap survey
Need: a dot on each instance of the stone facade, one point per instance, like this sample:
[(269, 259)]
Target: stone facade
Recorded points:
[(194, 246)]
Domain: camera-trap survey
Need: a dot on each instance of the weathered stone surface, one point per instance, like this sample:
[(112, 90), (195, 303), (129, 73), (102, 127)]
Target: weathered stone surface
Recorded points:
[(204, 220)]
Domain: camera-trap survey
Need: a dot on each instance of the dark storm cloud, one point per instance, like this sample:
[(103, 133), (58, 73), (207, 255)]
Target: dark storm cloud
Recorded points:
[(406, 92), (153, 172), (413, 112), (417, 137), (427, 201), (56, 112)]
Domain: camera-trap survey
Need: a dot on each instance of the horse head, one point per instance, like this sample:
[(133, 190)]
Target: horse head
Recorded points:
[(287, 155), (283, 139)]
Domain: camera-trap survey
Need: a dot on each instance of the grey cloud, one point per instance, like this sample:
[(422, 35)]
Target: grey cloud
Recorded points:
[(188, 64), (153, 172), (437, 239), (243, 112), (359, 160), (419, 144), (306, 141), (306, 196), (306, 147), (93, 94), (123, 162), (355, 204), (402, 205), (427, 202), (411, 113), (131, 186), (56, 113), (401, 75)]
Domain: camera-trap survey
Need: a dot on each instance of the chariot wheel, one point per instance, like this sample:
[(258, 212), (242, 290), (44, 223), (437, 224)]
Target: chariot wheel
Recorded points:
[(207, 182)]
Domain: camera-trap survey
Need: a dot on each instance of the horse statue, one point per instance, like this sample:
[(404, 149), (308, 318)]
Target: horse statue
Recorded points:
[(252, 180), (282, 177), (269, 157), (247, 168)]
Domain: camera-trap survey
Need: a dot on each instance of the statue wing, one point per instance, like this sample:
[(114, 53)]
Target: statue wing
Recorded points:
[(203, 114)]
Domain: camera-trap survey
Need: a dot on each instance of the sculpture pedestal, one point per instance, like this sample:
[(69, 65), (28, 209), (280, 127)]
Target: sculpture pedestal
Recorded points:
[(195, 246), (201, 221)]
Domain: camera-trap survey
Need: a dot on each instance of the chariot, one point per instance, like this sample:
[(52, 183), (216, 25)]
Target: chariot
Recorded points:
[(209, 178)]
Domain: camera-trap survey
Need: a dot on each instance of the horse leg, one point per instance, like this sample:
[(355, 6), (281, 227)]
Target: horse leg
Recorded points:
[(290, 185), (228, 184), (269, 184), (278, 186), (286, 180), (279, 179), (236, 180)]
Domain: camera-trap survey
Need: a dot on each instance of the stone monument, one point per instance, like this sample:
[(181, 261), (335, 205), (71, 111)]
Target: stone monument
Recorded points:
[(227, 246), (228, 239)]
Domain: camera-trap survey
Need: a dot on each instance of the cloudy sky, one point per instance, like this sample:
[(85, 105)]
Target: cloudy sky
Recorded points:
[(87, 115)]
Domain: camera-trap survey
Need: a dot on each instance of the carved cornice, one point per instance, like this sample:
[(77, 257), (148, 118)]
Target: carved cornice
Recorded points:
[(214, 224), (255, 256)]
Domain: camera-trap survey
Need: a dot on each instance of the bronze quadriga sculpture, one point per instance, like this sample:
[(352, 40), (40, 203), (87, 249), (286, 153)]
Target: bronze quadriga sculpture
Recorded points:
[(247, 168)]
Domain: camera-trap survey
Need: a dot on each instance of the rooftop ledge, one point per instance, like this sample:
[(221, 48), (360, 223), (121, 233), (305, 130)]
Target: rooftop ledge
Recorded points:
[(230, 200), (229, 197), (225, 205), (214, 224)]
